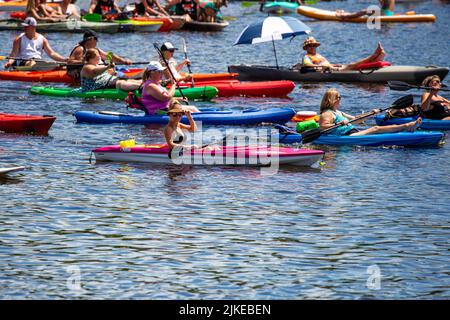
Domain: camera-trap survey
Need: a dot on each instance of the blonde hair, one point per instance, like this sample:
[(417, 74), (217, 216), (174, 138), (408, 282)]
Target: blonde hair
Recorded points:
[(329, 99), (173, 103), (426, 82)]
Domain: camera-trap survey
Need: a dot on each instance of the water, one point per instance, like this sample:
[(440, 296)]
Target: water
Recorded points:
[(151, 232)]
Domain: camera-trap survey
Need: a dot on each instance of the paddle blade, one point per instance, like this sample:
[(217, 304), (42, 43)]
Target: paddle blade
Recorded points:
[(109, 56), (403, 102), (311, 135), (247, 4), (399, 85)]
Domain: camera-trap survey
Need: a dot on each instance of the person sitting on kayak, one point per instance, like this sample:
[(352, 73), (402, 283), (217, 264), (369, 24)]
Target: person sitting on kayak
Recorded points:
[(68, 9), (434, 106), (317, 61), (185, 8), (51, 11), (173, 132), (154, 96), (387, 9), (37, 11), (167, 50), (95, 76), (331, 116), (209, 10), (76, 57), (29, 46), (151, 8), (104, 7)]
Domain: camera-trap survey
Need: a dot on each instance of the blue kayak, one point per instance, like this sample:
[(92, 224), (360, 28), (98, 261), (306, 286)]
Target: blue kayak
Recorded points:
[(427, 124), (238, 117), (407, 139)]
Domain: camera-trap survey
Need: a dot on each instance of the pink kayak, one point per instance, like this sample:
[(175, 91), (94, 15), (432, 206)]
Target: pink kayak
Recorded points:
[(227, 155)]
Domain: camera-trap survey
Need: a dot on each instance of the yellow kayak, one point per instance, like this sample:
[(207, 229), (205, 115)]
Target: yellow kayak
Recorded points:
[(320, 14)]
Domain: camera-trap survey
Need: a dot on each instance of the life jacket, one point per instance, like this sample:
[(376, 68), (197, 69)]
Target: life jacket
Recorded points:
[(133, 101), (411, 111)]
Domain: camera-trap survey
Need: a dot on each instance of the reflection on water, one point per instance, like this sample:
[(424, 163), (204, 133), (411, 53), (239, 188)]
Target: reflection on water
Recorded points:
[(164, 232)]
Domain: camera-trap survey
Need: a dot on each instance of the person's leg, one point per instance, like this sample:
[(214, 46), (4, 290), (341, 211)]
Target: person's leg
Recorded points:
[(378, 55), (410, 126), (127, 85)]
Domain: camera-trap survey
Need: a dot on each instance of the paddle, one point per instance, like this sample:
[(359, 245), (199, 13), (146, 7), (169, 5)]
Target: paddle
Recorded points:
[(311, 135), (403, 86), (170, 70), (186, 57)]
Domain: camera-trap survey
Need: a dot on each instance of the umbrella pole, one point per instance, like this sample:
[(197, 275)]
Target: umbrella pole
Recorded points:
[(275, 52)]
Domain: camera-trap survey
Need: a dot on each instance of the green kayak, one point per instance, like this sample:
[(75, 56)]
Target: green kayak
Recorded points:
[(196, 93)]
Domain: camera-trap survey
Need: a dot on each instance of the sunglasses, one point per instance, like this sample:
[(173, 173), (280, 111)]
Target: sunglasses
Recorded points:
[(177, 114)]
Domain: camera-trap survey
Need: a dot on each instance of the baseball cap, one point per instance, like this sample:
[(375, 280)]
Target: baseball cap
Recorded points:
[(88, 35), (29, 22), (167, 46), (155, 66)]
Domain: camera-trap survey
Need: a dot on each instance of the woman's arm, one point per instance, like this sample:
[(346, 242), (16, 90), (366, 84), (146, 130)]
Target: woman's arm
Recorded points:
[(77, 56), (161, 9), (156, 93), (349, 116), (427, 98), (168, 131), (192, 127), (326, 120)]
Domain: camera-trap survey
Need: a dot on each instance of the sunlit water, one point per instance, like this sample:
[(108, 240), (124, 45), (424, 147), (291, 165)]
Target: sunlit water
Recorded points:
[(154, 232)]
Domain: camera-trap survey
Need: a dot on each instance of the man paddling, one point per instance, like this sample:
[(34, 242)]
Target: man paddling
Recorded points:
[(168, 50), (76, 58), (29, 46)]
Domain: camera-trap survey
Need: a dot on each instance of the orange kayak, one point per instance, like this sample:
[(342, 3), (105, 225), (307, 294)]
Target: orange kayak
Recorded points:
[(19, 123), (176, 24), (36, 76)]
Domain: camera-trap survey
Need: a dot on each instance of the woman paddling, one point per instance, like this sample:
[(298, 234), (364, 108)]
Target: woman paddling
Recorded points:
[(434, 106), (331, 116), (154, 96), (95, 76), (315, 60)]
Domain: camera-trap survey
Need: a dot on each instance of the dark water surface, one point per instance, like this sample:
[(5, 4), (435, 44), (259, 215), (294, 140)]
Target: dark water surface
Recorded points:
[(141, 231)]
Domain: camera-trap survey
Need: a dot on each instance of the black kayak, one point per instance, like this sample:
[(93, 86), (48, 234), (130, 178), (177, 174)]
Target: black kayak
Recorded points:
[(410, 74), (205, 26)]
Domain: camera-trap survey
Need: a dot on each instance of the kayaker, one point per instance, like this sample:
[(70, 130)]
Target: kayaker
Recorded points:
[(315, 60), (185, 8), (151, 8), (387, 9), (154, 96), (167, 50), (69, 9), (95, 76), (38, 11), (331, 116), (263, 2), (173, 132), (434, 106), (104, 7), (76, 57), (209, 10), (29, 46)]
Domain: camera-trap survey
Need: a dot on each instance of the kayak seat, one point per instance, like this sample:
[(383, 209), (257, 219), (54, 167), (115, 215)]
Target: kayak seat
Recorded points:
[(134, 102), (373, 65)]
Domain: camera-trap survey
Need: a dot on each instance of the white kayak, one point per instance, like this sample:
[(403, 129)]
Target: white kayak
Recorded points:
[(10, 169)]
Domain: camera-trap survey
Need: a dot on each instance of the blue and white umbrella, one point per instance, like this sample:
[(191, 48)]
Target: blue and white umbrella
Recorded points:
[(271, 29)]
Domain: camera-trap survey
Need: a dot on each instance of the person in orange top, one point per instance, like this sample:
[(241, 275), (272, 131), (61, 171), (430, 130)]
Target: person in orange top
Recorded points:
[(315, 60)]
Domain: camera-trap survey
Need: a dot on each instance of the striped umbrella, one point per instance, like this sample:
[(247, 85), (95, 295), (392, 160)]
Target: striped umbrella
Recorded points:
[(271, 29)]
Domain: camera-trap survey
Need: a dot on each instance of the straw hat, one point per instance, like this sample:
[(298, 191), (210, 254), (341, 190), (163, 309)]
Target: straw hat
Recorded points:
[(176, 109), (310, 41)]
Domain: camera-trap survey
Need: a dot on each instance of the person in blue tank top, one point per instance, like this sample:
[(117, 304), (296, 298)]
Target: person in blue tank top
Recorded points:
[(331, 116)]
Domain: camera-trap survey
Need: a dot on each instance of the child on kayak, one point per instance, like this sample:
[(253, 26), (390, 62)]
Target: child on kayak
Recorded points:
[(30, 45), (331, 116), (154, 96), (434, 106), (167, 50), (315, 60), (95, 76)]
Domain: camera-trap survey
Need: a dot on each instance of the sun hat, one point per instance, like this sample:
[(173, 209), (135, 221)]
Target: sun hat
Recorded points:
[(167, 46), (176, 109), (29, 22), (310, 41), (155, 66)]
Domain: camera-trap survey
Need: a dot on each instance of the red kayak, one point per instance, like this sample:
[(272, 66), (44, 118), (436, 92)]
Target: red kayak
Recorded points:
[(20, 123), (231, 88)]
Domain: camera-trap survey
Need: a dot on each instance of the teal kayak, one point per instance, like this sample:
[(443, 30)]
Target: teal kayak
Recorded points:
[(280, 7), (196, 93)]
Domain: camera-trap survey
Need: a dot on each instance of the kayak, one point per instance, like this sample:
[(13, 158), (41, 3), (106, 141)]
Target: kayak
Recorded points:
[(223, 155), (205, 26), (71, 25), (176, 24), (230, 88), (10, 169), (410, 74), (37, 76), (407, 139), (16, 5), (240, 117), (321, 14), (280, 7), (427, 124), (138, 26), (19, 123), (196, 93)]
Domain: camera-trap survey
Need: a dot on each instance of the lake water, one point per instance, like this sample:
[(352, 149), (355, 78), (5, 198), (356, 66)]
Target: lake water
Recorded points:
[(370, 223)]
